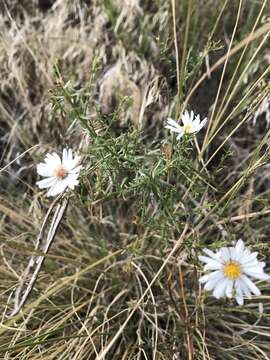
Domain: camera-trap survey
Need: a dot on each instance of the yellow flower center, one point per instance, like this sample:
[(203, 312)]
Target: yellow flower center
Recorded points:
[(188, 129), (60, 172), (232, 270)]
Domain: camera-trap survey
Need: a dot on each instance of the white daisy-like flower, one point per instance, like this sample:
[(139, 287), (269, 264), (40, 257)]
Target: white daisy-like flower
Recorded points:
[(59, 174), (232, 267), (191, 124)]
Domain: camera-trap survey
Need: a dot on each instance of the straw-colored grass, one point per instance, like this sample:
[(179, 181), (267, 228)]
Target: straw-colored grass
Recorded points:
[(120, 280)]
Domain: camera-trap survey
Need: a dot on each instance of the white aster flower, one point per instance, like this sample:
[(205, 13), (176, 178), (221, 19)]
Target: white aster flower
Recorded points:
[(59, 174), (232, 267), (191, 125)]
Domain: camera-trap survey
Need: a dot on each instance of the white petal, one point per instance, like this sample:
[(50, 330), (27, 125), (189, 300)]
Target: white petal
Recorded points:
[(210, 263), (174, 129), (250, 258), (76, 160), (229, 288), (211, 254), (196, 123), (251, 285), (241, 290), (44, 170), (257, 274), (72, 180), (59, 187), (53, 160), (70, 154), (48, 182), (72, 184), (206, 259), (173, 123), (76, 170), (202, 124), (211, 276), (186, 118), (225, 254), (247, 252), (71, 162), (239, 299), (65, 158), (220, 289), (255, 266), (240, 246), (242, 286), (179, 135), (72, 176), (251, 263), (238, 250), (213, 280), (205, 278)]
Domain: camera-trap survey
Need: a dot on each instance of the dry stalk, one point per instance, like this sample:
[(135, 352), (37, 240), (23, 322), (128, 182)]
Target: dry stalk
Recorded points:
[(36, 261)]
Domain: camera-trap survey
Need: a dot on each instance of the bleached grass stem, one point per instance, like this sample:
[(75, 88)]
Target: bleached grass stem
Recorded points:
[(223, 72)]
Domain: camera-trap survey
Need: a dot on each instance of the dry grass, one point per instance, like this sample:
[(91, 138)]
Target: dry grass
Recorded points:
[(121, 278)]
